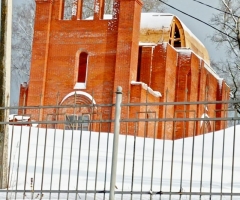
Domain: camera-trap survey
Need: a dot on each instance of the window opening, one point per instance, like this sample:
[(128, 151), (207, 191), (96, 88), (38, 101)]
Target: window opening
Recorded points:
[(77, 122), (82, 67), (69, 9), (207, 88), (108, 7), (188, 86), (139, 63), (88, 8), (175, 37)]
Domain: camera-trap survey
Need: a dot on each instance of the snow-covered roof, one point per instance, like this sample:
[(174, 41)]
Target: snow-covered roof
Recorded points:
[(162, 21), (159, 27), (156, 21)]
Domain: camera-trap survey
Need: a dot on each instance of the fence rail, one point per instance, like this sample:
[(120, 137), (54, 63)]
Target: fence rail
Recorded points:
[(58, 158)]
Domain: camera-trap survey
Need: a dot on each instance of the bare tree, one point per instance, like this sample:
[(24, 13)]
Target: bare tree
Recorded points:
[(22, 35), (152, 6), (229, 22)]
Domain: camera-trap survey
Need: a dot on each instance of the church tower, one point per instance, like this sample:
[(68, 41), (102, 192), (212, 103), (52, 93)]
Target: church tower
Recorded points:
[(79, 58)]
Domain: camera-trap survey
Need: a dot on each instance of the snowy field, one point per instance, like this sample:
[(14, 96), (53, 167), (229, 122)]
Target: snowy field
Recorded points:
[(67, 160)]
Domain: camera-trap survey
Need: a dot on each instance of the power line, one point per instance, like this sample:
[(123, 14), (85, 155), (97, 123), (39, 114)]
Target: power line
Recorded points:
[(199, 20), (215, 8)]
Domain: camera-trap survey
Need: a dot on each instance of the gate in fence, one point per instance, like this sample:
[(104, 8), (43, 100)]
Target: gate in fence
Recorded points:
[(72, 156)]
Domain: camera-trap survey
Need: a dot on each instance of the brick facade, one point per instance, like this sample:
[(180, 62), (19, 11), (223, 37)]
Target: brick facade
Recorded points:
[(110, 53)]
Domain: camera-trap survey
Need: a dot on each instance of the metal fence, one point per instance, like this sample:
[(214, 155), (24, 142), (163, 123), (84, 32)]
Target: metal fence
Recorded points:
[(75, 162)]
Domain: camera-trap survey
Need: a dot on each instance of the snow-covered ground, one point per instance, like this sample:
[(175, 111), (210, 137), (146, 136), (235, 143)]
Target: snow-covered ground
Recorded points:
[(62, 163)]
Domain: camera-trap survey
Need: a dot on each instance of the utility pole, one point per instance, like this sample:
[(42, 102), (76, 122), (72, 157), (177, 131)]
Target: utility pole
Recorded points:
[(5, 70)]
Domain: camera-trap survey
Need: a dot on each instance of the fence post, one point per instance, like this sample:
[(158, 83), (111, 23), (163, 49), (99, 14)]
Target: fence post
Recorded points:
[(115, 142)]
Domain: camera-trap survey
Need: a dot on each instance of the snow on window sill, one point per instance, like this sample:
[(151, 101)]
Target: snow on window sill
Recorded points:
[(145, 86), (80, 86)]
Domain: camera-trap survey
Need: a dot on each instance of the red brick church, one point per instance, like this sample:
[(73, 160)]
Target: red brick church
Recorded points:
[(147, 54)]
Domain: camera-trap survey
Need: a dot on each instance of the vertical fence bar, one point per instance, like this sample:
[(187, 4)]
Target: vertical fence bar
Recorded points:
[(26, 168), (79, 161), (192, 158), (133, 158), (10, 162), (143, 157), (163, 145), (222, 169), (144, 143), (172, 158), (36, 155), (53, 159), (212, 159), (54, 144), (106, 160), (153, 156), (202, 160), (125, 149), (124, 162), (44, 159), (233, 155), (183, 142), (61, 163), (70, 161), (18, 162), (115, 142), (88, 162), (98, 149)]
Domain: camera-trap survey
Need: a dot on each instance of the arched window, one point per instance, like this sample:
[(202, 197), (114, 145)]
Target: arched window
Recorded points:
[(176, 37), (81, 76)]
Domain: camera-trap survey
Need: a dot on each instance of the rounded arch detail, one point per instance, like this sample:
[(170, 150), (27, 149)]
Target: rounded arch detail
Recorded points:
[(176, 35), (78, 97), (81, 50)]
